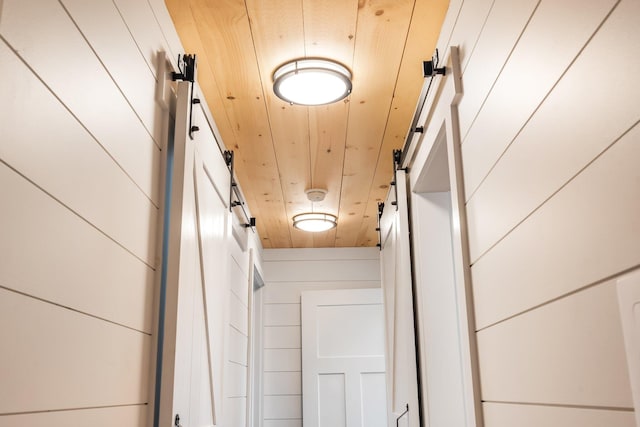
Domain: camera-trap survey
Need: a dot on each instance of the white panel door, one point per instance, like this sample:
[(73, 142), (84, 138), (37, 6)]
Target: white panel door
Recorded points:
[(395, 261), (343, 358), (213, 231), (195, 315)]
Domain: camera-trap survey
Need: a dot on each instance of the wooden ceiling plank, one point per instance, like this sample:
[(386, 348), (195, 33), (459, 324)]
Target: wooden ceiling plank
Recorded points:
[(325, 239), (425, 27), (278, 35), (381, 34), (280, 149), (328, 126), (184, 21), (226, 35), (330, 28)]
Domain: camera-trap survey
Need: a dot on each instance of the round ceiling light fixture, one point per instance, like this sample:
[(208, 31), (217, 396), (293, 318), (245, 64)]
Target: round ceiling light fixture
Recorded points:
[(312, 82), (314, 222)]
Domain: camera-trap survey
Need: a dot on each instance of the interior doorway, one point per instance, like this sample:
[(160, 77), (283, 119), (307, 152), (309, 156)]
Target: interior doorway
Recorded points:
[(437, 294), (445, 332)]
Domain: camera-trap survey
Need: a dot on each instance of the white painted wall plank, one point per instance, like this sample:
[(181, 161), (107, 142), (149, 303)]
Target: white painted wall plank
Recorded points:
[(524, 82), (569, 352), (580, 236), (49, 42), (282, 360), (61, 157), (565, 134), (135, 415), (168, 29), (281, 337), (101, 164), (509, 415), (282, 383), (102, 25), (468, 26), (500, 34), (321, 270), (146, 31), (282, 315), (282, 407), (289, 293), (61, 359), (321, 254), (49, 252)]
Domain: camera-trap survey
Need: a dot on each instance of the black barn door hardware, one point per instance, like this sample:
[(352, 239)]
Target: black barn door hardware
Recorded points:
[(235, 198), (397, 161), (429, 69), (379, 229)]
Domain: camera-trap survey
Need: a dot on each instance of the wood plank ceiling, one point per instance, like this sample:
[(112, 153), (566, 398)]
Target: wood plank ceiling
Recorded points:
[(281, 150)]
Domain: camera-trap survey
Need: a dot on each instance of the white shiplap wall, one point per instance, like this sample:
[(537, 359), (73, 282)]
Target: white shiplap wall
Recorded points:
[(287, 273), (550, 154), (80, 177), (80, 182)]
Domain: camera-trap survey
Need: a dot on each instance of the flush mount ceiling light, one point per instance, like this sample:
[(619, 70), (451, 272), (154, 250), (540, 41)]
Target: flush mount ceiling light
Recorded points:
[(314, 222), (312, 82)]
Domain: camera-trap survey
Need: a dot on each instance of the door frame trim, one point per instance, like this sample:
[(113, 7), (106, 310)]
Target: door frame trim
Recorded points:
[(440, 122)]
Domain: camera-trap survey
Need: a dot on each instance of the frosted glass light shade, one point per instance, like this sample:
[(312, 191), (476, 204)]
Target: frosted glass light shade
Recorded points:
[(312, 82), (314, 222)]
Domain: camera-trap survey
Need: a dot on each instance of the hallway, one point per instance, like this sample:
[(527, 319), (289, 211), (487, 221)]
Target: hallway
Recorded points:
[(127, 274)]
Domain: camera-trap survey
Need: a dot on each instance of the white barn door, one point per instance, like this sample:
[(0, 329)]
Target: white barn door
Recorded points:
[(199, 226), (395, 261), (343, 364)]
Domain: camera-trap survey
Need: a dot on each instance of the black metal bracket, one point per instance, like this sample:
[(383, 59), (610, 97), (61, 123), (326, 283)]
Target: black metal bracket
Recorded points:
[(235, 198), (379, 227), (397, 160), (229, 160), (402, 415), (187, 65), (176, 422), (430, 69)]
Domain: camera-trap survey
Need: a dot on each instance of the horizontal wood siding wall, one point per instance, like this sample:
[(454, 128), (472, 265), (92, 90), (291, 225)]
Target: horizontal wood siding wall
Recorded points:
[(550, 153), (287, 273), (80, 158)]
